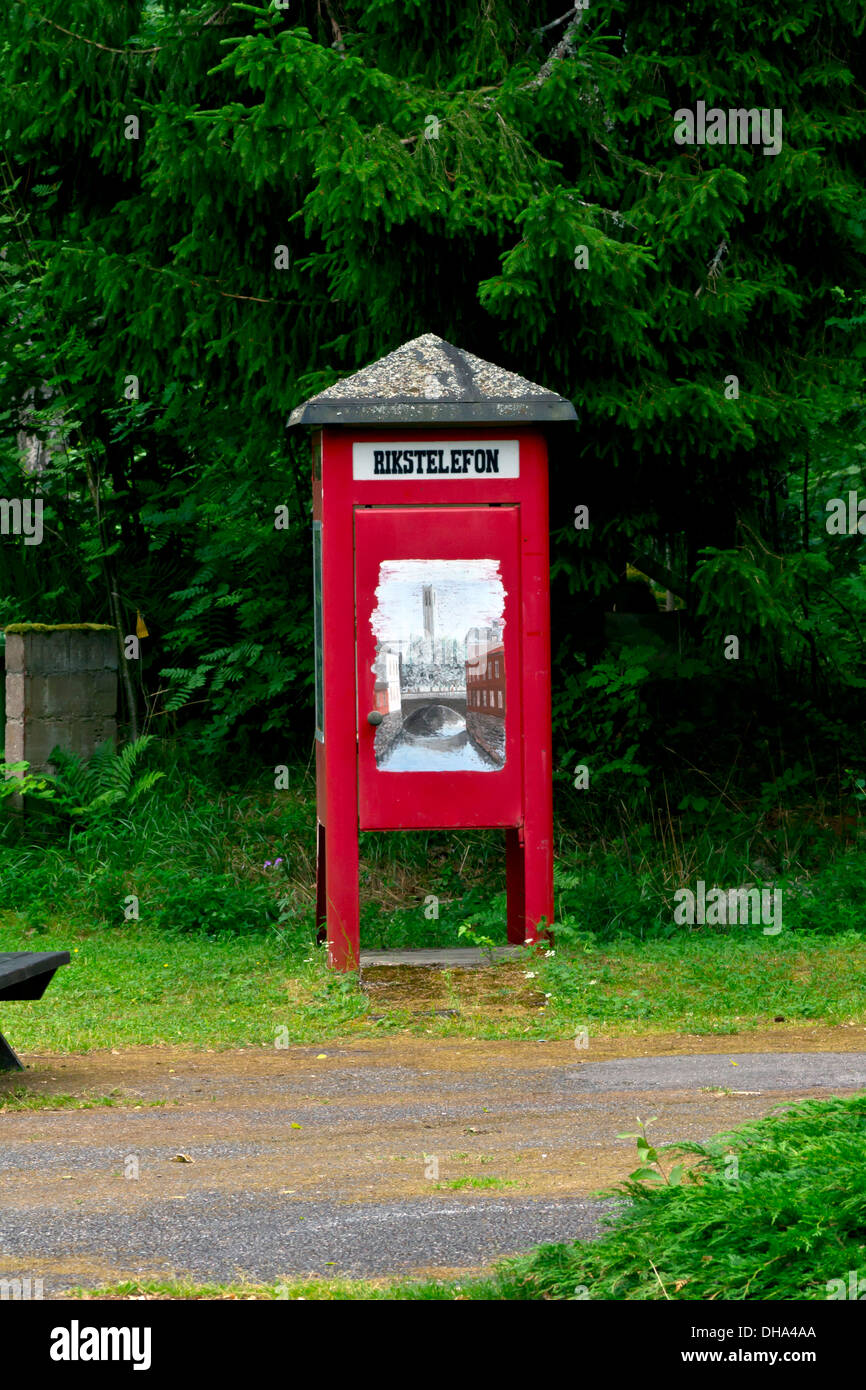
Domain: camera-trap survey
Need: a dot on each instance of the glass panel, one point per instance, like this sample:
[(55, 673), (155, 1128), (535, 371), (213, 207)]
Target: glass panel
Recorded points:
[(439, 666), (317, 455), (317, 631)]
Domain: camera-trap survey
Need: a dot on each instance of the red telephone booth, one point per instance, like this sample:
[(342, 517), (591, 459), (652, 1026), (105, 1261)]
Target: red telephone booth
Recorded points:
[(432, 632)]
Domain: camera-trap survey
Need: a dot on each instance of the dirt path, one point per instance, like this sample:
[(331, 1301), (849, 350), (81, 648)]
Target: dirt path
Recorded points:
[(380, 1157)]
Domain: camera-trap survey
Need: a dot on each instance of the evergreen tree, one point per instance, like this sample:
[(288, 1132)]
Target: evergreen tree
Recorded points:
[(214, 210)]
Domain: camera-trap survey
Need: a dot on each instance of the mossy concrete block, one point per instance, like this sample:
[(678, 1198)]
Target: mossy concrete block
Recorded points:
[(58, 627), (82, 695), (93, 651), (14, 654), (38, 654), (16, 693), (80, 736), (14, 744), (61, 691), (61, 651)]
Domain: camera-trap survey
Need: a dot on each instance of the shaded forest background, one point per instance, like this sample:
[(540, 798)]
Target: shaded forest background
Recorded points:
[(209, 212)]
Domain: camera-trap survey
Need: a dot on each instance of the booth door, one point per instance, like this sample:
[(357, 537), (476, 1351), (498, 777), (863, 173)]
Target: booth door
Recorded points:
[(438, 610)]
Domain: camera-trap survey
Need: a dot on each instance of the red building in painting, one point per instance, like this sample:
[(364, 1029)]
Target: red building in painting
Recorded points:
[(485, 682)]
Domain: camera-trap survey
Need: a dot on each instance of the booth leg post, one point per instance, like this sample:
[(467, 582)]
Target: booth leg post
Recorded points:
[(538, 859), (343, 905), (515, 887), (321, 884)]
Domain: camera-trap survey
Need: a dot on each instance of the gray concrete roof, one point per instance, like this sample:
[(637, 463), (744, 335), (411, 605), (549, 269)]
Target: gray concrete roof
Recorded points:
[(430, 381)]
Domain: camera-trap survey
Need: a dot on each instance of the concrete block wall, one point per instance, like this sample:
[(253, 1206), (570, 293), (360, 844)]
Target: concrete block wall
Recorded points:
[(61, 691)]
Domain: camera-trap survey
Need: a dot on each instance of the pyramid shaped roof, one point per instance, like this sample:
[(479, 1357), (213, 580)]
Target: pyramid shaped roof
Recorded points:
[(430, 381)]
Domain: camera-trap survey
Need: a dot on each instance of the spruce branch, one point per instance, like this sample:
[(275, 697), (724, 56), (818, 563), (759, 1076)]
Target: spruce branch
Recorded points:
[(81, 38), (554, 23), (338, 44), (218, 17), (204, 282), (563, 49), (713, 269)]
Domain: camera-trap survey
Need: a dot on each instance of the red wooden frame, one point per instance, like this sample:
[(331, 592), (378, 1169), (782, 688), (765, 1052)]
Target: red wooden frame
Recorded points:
[(528, 820), (436, 800)]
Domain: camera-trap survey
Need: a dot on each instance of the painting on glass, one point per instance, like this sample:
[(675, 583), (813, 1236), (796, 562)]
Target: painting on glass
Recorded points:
[(440, 666)]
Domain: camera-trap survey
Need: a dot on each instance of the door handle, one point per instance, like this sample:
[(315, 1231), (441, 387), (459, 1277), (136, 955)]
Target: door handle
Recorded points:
[(374, 717)]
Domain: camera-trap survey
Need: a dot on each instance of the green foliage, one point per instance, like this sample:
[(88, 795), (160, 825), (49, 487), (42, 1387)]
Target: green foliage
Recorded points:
[(35, 878), (93, 790), (783, 1221), (829, 902), (609, 898), (16, 780), (650, 1167), (609, 705), (260, 128), (210, 903), (786, 611), (469, 935)]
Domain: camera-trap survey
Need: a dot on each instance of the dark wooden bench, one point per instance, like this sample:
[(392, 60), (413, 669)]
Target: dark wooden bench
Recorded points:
[(25, 975)]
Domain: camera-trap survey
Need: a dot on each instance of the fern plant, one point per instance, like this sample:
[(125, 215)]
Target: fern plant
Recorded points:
[(89, 790), (17, 780)]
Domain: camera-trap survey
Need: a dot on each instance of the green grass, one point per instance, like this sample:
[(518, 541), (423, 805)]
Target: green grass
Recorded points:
[(20, 1098), (319, 1290), (222, 951), (203, 857), (774, 1211), (136, 985), (461, 1184), (707, 982)]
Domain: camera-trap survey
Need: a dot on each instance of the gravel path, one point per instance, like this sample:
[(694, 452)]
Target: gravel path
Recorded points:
[(396, 1156)]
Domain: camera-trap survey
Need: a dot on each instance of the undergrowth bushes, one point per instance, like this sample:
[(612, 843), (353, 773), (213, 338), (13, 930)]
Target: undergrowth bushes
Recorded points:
[(149, 832), (775, 1210)]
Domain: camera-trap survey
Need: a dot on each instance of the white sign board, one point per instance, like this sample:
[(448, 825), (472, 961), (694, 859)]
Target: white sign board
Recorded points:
[(474, 458)]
